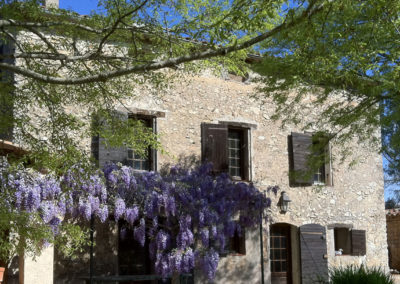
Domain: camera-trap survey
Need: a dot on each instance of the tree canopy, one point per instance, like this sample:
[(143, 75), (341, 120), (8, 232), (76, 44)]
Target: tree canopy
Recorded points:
[(347, 57), (53, 59), (344, 52), (342, 48)]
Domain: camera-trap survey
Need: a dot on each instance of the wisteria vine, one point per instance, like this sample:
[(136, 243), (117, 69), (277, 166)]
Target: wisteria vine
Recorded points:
[(186, 215)]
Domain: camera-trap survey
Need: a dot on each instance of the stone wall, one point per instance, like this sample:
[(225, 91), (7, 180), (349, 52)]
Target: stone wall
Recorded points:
[(40, 268), (356, 197)]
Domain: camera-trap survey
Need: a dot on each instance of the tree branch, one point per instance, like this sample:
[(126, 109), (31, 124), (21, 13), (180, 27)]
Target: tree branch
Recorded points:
[(115, 25), (209, 53), (12, 23)]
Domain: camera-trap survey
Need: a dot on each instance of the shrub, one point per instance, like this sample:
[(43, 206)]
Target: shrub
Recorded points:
[(359, 275)]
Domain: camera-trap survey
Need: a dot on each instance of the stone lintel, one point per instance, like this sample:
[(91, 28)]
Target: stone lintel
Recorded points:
[(133, 111), (238, 124), (340, 225)]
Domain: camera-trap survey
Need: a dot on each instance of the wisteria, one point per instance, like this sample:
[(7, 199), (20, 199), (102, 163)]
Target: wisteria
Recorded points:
[(186, 216)]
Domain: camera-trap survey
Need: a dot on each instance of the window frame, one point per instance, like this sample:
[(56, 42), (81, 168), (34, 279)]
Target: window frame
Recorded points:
[(347, 250), (209, 146), (242, 148), (302, 149), (320, 171), (357, 237), (151, 122), (237, 244)]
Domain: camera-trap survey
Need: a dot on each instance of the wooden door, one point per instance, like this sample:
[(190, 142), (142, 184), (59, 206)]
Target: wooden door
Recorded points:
[(133, 259), (280, 254), (313, 254)]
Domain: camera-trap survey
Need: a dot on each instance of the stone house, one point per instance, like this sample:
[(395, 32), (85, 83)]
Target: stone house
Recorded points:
[(336, 216)]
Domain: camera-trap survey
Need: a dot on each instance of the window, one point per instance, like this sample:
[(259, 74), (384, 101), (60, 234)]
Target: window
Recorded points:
[(237, 244), (309, 159), (342, 240), (349, 241), (236, 148), (227, 147), (319, 146), (104, 154), (138, 162)]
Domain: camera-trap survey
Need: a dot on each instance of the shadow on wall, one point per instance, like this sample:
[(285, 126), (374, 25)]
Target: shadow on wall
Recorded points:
[(70, 270), (183, 161), (237, 269)]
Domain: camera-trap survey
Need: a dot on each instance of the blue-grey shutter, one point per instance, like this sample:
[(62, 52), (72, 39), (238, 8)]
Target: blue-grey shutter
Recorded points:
[(313, 254)]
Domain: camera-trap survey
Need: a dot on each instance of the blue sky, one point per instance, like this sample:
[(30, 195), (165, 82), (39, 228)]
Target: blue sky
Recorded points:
[(82, 7)]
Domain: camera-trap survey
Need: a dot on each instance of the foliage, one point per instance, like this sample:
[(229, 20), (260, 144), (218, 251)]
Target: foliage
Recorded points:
[(344, 63), (359, 275), (32, 206), (343, 52), (56, 62), (186, 215), (391, 203)]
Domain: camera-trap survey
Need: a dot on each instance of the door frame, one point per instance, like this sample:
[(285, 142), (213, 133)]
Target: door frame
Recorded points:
[(286, 229)]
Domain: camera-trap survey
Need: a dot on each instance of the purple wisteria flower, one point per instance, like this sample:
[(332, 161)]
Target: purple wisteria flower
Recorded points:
[(139, 232), (132, 214), (182, 208), (119, 210)]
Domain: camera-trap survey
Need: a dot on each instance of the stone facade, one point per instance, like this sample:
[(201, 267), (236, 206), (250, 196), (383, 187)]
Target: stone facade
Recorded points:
[(356, 198)]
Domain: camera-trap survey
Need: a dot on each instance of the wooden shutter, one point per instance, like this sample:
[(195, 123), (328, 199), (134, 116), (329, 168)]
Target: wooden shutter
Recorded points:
[(242, 242), (301, 147), (313, 253), (358, 242), (214, 139), (246, 155), (237, 244)]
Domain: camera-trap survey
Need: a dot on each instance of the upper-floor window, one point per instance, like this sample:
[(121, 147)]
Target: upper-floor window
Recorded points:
[(142, 162), (320, 152), (146, 161), (236, 149), (227, 147), (309, 159)]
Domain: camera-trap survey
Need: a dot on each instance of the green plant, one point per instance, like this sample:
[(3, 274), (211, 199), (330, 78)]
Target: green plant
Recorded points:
[(359, 275)]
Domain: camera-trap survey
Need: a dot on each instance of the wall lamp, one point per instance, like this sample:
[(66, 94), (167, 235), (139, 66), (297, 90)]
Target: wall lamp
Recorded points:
[(284, 202)]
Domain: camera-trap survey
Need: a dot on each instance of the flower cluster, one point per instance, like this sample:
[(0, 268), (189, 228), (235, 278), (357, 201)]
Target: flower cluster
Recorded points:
[(186, 216)]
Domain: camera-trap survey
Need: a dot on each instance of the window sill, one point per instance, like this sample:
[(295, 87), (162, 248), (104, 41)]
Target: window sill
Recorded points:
[(236, 254), (349, 255), (141, 171), (239, 179), (228, 254)]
